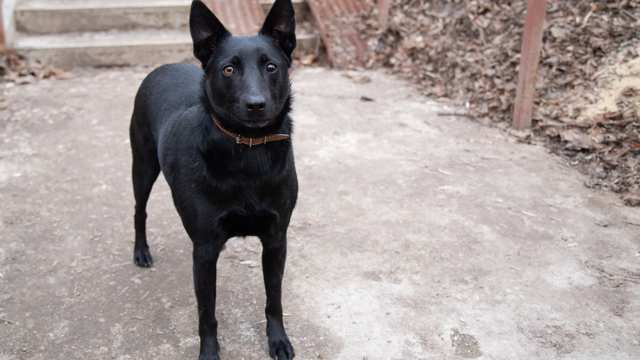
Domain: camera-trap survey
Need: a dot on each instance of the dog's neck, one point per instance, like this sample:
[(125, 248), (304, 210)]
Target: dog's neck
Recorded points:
[(250, 141), (226, 159), (224, 156)]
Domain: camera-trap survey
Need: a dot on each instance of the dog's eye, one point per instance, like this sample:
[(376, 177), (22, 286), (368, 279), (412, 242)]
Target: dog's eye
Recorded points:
[(271, 67), (228, 70)]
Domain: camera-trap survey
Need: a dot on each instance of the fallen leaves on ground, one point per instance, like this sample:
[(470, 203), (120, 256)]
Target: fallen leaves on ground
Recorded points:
[(469, 51), (19, 70)]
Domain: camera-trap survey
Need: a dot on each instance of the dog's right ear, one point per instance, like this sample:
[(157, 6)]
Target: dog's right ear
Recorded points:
[(206, 31), (280, 25)]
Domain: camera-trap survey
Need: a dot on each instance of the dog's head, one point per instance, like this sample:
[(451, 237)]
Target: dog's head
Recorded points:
[(247, 78)]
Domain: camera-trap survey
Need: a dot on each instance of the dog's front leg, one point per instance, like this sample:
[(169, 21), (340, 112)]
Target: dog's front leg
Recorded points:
[(274, 254), (205, 259)]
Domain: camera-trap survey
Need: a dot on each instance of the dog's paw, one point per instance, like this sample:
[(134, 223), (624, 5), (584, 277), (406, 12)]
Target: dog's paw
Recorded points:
[(209, 357), (209, 348), (281, 349), (142, 258)]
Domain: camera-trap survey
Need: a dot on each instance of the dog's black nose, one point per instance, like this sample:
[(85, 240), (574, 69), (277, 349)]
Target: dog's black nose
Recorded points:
[(256, 104)]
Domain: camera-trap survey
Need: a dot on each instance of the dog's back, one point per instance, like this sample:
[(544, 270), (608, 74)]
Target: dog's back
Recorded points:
[(164, 96)]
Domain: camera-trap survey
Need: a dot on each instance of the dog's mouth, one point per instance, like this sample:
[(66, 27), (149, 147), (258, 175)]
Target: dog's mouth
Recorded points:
[(251, 125), (256, 120), (257, 124)]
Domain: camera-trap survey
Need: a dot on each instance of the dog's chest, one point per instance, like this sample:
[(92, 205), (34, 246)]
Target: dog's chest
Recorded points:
[(252, 188), (248, 222), (250, 207)]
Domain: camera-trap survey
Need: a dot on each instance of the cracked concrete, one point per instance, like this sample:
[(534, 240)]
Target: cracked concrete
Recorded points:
[(416, 237)]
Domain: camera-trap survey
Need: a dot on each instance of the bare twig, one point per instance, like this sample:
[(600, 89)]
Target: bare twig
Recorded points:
[(5, 321), (586, 18), (630, 15), (456, 114)]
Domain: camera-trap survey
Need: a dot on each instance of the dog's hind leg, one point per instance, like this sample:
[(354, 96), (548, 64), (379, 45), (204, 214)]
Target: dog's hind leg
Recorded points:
[(145, 170)]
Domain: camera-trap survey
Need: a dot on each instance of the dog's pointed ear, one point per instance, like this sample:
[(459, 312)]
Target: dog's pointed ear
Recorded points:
[(206, 31), (280, 25)]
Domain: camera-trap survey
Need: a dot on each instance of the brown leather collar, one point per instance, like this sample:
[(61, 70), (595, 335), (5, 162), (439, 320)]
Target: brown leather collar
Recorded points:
[(249, 141)]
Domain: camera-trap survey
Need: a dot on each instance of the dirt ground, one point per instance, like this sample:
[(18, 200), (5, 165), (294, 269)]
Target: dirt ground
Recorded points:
[(417, 236)]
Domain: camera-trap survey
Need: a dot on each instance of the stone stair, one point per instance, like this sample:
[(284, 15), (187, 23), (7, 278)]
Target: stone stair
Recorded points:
[(100, 33)]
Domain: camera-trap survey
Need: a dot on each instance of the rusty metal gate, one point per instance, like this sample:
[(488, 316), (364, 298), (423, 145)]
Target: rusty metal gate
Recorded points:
[(241, 17)]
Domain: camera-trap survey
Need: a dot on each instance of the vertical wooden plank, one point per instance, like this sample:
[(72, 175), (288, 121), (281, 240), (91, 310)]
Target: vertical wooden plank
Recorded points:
[(383, 13), (529, 60), (2, 37)]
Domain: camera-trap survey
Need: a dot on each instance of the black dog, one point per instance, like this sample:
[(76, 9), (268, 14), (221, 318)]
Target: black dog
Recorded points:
[(221, 137)]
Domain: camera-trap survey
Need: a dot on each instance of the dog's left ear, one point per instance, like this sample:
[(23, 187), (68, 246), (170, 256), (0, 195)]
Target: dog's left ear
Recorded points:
[(280, 25)]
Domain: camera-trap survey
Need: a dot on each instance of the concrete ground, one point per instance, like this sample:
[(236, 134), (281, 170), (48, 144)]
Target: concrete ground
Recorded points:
[(417, 236)]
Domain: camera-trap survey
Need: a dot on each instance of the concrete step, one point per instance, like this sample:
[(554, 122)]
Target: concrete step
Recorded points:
[(301, 7), (65, 16), (113, 48), (123, 48)]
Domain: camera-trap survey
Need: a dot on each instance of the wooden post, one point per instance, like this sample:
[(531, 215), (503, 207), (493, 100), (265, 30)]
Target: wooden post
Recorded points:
[(2, 37), (529, 60), (383, 13)]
